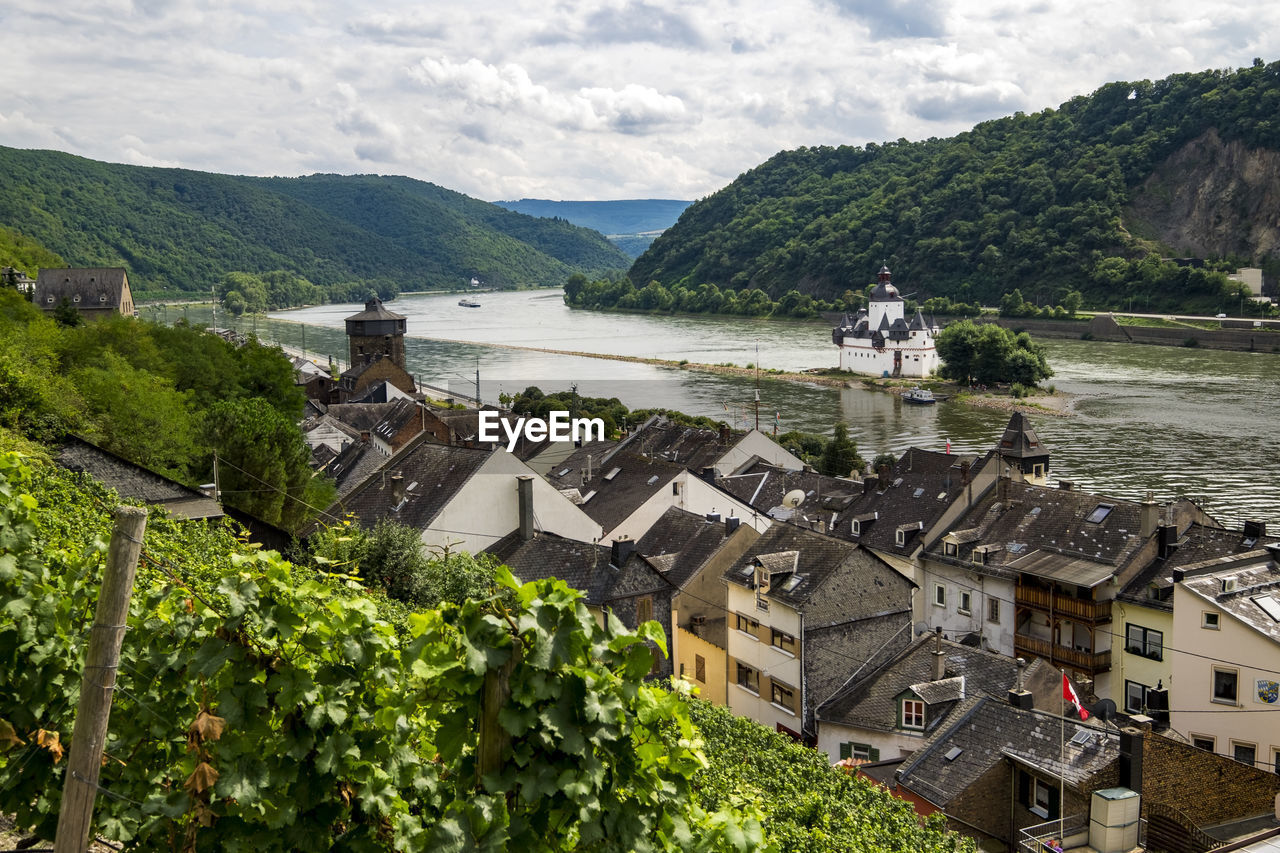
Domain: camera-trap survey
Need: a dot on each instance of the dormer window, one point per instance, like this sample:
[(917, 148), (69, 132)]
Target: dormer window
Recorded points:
[(913, 714), (75, 298), (901, 537), (856, 526), (1099, 514), (949, 548), (979, 557)]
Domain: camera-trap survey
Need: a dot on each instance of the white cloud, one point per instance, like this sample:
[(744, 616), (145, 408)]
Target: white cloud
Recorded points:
[(582, 99)]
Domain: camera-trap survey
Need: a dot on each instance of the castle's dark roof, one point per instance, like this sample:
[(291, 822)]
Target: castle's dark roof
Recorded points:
[(134, 482), (96, 287), (885, 292), (374, 310)]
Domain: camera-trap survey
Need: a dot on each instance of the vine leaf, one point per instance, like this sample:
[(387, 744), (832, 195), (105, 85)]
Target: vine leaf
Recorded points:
[(202, 778), (8, 735), (51, 741), (206, 727)]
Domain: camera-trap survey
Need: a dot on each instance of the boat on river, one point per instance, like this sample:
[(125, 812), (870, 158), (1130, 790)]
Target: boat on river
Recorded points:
[(920, 396), (468, 303)]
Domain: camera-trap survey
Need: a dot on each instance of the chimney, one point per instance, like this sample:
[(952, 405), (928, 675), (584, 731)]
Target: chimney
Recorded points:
[(1158, 704), (724, 433), (397, 489), (1148, 516), (869, 484), (708, 473), (621, 549), (524, 494), (820, 526), (713, 517), (731, 524), (939, 656), (964, 473), (1166, 540), (696, 624), (1066, 485), (1020, 697), (1131, 743), (364, 436), (1002, 487), (883, 473)]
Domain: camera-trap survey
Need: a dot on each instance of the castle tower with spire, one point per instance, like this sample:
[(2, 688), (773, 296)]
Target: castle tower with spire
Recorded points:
[(880, 341)]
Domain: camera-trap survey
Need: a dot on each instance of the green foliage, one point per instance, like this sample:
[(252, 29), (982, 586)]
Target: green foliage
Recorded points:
[(807, 806), (884, 460), (25, 254), (840, 456), (393, 557), (618, 293), (1032, 201), (806, 446), (532, 402), (263, 708), (176, 230), (165, 398), (989, 354)]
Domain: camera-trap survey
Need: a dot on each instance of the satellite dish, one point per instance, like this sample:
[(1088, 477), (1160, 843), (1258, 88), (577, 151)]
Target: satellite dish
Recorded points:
[(793, 498), (1104, 710), (920, 628)]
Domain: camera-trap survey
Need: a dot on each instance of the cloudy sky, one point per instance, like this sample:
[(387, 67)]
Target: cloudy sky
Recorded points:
[(600, 99)]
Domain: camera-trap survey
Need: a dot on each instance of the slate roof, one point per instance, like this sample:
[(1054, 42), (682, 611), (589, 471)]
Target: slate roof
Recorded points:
[(361, 416), (835, 653), (763, 486), (680, 543), (97, 287), (433, 474), (401, 414), (571, 471), (1055, 523), (1152, 587), (134, 482), (689, 447), (465, 426), (870, 702), (1020, 440), (374, 310), (919, 489), (1257, 591), (838, 581), (987, 731), (579, 564), (353, 465), (621, 486)]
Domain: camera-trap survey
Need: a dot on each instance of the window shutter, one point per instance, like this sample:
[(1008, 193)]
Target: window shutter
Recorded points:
[(846, 750), (874, 754)]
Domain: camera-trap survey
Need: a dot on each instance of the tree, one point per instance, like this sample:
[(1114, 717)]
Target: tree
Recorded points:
[(989, 354), (840, 457)]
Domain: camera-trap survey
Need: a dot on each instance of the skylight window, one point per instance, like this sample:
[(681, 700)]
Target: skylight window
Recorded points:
[(615, 472), (793, 582), (953, 753), (1100, 512), (589, 495), (652, 479), (1269, 605), (1081, 737), (562, 472), (917, 493)]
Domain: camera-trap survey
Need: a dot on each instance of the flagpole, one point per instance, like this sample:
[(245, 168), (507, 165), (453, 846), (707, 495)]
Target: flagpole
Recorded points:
[(1062, 756)]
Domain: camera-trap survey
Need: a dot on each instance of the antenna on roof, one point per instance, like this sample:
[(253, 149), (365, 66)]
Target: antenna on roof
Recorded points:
[(793, 498)]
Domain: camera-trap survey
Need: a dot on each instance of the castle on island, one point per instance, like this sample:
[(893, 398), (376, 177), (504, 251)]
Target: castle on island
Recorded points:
[(879, 341)]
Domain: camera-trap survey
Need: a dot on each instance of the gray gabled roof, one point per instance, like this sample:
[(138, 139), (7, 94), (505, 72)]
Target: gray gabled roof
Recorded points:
[(579, 564), (97, 287), (134, 482)]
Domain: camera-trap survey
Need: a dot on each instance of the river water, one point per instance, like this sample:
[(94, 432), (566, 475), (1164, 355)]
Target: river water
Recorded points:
[(1173, 421)]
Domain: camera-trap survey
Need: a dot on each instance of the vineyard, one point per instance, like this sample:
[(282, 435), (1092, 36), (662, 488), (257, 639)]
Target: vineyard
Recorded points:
[(265, 706)]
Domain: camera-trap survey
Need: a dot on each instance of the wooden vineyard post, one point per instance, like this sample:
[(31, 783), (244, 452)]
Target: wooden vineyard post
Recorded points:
[(89, 736)]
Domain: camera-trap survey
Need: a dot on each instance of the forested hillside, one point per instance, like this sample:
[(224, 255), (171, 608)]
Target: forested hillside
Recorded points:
[(181, 230), (1055, 201)]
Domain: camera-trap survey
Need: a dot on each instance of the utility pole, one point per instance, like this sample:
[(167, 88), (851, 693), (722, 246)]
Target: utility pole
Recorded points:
[(98, 682)]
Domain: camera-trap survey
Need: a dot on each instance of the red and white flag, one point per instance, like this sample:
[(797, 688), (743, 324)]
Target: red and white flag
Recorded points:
[(1069, 694), (948, 446)]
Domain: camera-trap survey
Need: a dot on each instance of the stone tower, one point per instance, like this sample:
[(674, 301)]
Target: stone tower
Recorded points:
[(376, 333)]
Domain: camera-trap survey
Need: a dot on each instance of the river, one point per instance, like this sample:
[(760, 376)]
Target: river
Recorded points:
[(1173, 421)]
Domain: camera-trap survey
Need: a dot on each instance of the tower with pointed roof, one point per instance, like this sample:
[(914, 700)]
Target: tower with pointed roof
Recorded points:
[(376, 333), (880, 341), (1022, 449)]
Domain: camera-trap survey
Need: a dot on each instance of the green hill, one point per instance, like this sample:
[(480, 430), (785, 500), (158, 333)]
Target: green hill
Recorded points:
[(1085, 197), (177, 229)]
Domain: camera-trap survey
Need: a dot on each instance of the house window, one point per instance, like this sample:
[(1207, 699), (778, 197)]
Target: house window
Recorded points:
[(979, 557), (856, 527), (644, 609), (1144, 641), (1209, 620), (1099, 514), (939, 595), (859, 751), (1044, 800), (1245, 753), (783, 641), (949, 548), (700, 668), (1037, 470), (747, 625), (912, 714), (1224, 685), (781, 694), (1135, 697), (993, 610), (675, 487), (748, 678), (762, 602), (1203, 742), (965, 600), (1275, 763)]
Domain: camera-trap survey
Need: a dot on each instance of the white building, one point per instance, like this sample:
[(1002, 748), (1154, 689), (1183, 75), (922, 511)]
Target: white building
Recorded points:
[(881, 342)]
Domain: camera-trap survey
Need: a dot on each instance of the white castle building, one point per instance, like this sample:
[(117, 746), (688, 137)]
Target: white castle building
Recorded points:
[(880, 341)]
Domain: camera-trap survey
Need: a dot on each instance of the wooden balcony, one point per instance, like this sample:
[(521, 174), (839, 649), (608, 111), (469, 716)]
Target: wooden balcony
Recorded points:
[(1090, 662), (1065, 606)]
